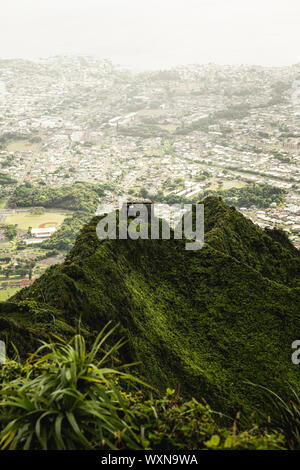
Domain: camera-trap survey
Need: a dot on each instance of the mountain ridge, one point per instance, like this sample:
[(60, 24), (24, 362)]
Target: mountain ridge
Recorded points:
[(203, 321)]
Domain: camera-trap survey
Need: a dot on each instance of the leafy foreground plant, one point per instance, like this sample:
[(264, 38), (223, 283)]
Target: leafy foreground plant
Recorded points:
[(66, 399), (286, 417), (171, 423)]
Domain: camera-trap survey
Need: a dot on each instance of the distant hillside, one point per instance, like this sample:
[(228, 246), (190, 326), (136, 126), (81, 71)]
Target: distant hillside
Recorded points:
[(203, 321), (78, 196), (260, 195)]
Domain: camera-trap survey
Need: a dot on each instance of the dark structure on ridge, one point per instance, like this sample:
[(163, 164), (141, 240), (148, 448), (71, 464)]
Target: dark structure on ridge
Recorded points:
[(146, 202)]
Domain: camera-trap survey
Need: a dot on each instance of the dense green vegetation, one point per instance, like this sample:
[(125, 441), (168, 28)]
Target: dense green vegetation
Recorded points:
[(65, 399), (83, 198), (232, 113), (10, 231), (67, 233), (283, 157), (7, 137), (8, 161), (79, 196), (66, 396), (260, 195), (6, 179), (203, 322)]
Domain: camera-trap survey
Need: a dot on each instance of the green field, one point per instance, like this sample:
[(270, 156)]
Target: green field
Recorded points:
[(26, 220), (22, 146), (233, 184), (7, 292), (226, 185)]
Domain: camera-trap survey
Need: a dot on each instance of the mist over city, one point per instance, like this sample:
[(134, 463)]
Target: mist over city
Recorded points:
[(154, 34)]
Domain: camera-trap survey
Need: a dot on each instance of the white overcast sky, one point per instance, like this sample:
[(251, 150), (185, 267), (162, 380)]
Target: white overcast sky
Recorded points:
[(154, 33)]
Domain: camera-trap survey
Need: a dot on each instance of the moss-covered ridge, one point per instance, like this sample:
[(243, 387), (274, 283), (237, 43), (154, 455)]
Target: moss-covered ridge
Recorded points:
[(204, 321)]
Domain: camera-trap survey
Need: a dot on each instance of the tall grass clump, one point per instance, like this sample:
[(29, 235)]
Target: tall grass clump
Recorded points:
[(66, 397), (286, 414)]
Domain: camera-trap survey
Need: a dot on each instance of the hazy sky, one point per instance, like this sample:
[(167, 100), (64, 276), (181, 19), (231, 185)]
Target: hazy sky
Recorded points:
[(154, 33)]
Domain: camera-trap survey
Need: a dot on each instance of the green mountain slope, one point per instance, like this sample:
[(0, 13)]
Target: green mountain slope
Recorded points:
[(203, 321)]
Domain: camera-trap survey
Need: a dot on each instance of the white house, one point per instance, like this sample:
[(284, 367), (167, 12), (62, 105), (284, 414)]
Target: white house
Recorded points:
[(43, 232)]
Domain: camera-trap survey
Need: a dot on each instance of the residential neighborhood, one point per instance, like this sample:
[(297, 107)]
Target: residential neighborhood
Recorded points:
[(182, 133)]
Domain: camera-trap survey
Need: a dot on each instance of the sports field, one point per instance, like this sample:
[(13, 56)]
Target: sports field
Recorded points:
[(7, 292), (22, 146), (26, 220)]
